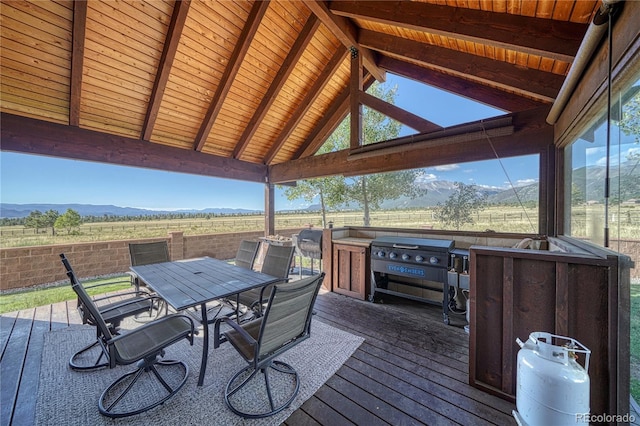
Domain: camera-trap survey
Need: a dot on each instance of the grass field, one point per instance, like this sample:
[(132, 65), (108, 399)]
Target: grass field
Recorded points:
[(46, 296), (499, 219)]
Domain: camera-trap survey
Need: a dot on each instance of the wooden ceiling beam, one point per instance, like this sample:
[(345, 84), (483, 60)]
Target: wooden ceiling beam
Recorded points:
[(493, 97), (330, 121), (306, 103), (531, 135), (258, 10), (345, 31), (548, 38), (77, 61), (540, 85), (178, 18), (287, 67), (31, 136), (401, 115)]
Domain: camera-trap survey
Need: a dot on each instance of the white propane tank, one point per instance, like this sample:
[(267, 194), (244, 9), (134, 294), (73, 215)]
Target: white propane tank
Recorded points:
[(551, 387)]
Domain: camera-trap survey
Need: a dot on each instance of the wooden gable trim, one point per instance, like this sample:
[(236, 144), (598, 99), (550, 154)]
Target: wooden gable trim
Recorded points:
[(548, 38), (258, 10), (178, 18), (540, 85)]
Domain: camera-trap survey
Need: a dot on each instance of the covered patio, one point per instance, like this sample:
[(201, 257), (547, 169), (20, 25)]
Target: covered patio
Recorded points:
[(250, 90), (411, 368)]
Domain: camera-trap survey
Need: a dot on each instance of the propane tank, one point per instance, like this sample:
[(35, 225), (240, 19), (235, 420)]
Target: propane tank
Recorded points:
[(551, 387)]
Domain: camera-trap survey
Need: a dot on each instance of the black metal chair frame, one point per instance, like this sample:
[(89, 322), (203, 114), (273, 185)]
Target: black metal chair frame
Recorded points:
[(143, 345), (286, 323), (113, 314)]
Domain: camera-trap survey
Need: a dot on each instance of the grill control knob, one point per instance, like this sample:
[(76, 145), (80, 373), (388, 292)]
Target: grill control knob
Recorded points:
[(393, 255), (406, 257), (380, 253), (433, 260), (419, 258)]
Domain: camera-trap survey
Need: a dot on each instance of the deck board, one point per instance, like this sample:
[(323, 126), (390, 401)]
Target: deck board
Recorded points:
[(411, 369)]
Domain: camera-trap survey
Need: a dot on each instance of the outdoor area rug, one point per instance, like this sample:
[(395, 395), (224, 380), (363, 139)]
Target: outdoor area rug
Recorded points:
[(71, 398)]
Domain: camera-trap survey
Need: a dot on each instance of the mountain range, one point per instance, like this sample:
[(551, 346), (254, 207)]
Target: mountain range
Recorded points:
[(437, 192), (588, 180), (23, 210)]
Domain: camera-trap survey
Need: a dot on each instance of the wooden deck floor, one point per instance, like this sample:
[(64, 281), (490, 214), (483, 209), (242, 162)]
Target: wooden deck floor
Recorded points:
[(411, 368)]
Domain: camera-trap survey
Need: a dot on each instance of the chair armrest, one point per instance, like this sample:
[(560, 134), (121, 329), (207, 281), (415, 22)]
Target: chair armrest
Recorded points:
[(237, 327), (137, 293), (130, 302), (105, 284)]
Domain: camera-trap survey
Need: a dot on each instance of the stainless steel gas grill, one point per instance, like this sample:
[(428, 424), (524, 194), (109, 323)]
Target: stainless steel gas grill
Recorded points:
[(414, 268)]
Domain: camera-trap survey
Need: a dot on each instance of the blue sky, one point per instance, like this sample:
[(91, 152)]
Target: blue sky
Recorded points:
[(38, 179)]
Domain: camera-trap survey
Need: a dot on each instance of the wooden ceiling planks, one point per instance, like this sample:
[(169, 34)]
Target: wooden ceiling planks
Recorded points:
[(269, 48), (35, 58), (123, 47), (236, 108)]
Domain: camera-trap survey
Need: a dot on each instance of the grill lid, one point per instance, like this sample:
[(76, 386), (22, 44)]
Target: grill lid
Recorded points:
[(309, 243), (413, 243)]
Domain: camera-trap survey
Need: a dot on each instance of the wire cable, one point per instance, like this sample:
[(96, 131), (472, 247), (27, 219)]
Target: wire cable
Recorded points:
[(504, 170)]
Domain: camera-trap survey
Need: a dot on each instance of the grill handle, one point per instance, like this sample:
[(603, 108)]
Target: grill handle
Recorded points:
[(400, 246)]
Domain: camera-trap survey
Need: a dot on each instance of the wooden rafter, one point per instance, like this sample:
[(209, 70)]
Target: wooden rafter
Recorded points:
[(460, 86), (306, 103), (258, 10), (401, 115), (180, 11), (544, 37), (330, 121), (346, 32), (77, 60), (287, 67), (540, 85), (355, 107)]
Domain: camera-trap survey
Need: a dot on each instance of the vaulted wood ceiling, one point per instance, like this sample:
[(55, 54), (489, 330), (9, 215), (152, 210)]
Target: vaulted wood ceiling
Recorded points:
[(233, 88)]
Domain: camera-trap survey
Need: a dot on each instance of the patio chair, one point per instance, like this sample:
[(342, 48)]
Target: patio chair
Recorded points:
[(286, 323), (277, 263), (143, 346), (246, 254), (145, 254), (131, 304)]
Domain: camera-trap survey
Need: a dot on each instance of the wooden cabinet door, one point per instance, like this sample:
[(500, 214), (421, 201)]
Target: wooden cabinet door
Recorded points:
[(351, 271)]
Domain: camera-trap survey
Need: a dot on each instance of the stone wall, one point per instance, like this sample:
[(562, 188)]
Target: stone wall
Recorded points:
[(31, 266)]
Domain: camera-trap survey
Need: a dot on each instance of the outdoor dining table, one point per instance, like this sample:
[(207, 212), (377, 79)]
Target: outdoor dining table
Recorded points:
[(190, 283)]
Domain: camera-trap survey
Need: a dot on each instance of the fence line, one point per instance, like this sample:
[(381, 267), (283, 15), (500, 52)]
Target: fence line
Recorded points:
[(315, 219)]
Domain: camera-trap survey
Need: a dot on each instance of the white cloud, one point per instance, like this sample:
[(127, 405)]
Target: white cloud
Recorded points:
[(426, 177), (447, 168), (524, 182)]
